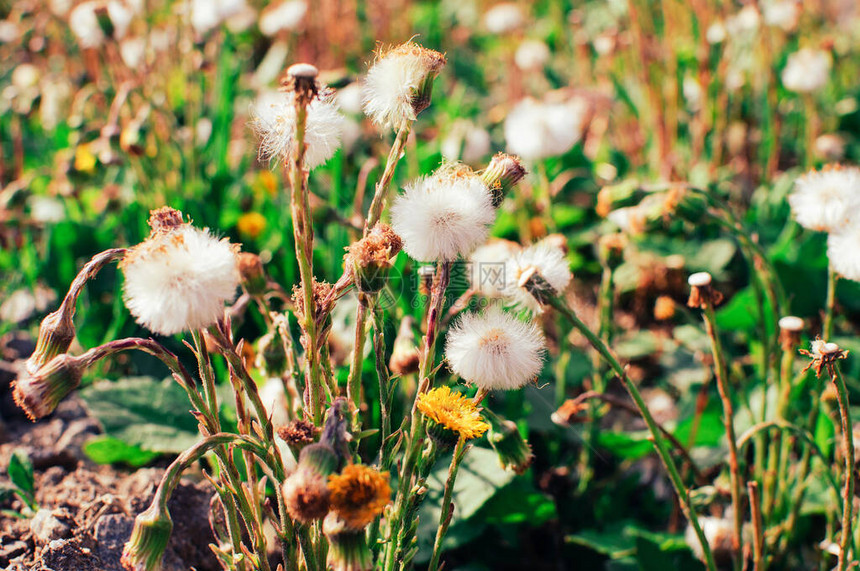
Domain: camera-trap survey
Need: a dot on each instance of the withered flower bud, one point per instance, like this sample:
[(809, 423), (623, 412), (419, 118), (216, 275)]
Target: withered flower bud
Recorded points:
[(321, 299), (297, 434), (425, 276), (165, 219), (570, 412), (39, 393), (301, 78), (610, 249), (790, 328), (502, 174), (306, 492), (252, 275), (505, 438), (370, 257), (702, 292)]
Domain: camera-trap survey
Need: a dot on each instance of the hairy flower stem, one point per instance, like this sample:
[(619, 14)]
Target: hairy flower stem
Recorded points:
[(722, 375), (447, 504), (848, 453), (353, 383), (605, 300), (830, 303), (303, 236), (758, 531), (378, 203), (780, 447), (385, 448), (656, 437), (416, 432)]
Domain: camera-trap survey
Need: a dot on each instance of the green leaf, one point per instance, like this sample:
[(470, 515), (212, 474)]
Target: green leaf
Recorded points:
[(142, 411), (21, 472), (517, 503), (110, 450), (627, 445)]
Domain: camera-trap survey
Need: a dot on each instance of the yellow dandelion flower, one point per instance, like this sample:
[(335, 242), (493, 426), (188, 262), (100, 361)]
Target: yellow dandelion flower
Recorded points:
[(452, 411), (85, 159), (358, 494), (251, 224)]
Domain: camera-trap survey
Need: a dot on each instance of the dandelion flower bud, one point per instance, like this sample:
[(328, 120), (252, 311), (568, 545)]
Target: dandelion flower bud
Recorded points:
[(405, 357), (536, 130), (347, 548), (495, 350), (251, 273), (450, 416), (806, 70), (359, 494), (180, 277), (297, 434), (149, 538), (39, 393), (488, 264), (272, 354), (56, 333), (826, 200), (790, 328), (610, 250), (306, 492), (502, 174), (370, 257), (702, 291), (275, 124), (513, 450), (399, 84), (541, 260), (443, 216)]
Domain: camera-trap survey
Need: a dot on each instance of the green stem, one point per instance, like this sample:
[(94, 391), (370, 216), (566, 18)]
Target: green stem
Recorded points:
[(303, 236), (848, 453), (378, 203), (830, 303), (722, 376), (447, 504), (353, 383), (656, 437)]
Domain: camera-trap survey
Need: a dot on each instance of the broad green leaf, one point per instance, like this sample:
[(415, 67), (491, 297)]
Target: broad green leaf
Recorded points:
[(627, 445), (144, 412), (110, 450), (21, 472)]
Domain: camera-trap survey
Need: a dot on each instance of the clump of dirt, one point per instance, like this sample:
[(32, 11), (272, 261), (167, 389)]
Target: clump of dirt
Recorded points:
[(86, 512)]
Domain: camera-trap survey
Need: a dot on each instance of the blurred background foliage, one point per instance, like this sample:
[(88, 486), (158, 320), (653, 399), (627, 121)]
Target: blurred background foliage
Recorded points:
[(95, 132)]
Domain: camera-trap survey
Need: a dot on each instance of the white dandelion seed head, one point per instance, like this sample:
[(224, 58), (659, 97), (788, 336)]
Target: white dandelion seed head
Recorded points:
[(209, 14), (719, 533), (535, 130), (495, 350), (275, 123), (179, 279), (504, 18), (544, 259), (843, 253), (487, 266), (716, 33), (783, 14), (531, 55), (349, 98), (807, 70), (395, 80), (284, 16), (826, 200), (84, 21), (443, 216)]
